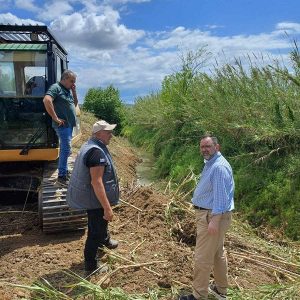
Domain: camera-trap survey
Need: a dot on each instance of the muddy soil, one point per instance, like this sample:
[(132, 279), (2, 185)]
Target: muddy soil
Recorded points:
[(27, 255)]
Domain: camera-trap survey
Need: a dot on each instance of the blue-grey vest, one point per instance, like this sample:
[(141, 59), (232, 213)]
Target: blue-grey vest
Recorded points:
[(80, 194)]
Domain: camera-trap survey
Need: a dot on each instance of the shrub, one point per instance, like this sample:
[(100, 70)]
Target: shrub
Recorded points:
[(105, 104)]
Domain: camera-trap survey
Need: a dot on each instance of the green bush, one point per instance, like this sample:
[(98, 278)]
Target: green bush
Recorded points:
[(105, 104)]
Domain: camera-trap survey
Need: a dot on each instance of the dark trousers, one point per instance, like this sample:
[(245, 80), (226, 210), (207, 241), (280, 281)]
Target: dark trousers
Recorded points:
[(98, 236)]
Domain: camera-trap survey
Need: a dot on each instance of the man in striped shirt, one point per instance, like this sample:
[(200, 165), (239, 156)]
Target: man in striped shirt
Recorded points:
[(213, 203)]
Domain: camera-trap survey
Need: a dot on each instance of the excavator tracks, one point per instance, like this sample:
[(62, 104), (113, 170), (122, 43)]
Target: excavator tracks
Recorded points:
[(54, 212)]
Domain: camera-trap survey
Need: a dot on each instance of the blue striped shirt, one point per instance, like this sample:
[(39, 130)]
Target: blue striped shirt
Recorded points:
[(216, 186)]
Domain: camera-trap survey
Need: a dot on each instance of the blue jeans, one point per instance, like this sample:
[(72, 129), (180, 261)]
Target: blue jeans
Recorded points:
[(64, 135)]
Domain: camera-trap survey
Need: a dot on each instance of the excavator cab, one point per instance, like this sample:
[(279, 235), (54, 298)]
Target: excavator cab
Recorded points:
[(31, 60)]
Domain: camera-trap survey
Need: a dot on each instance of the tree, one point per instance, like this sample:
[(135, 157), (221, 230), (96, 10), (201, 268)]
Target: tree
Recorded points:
[(105, 104)]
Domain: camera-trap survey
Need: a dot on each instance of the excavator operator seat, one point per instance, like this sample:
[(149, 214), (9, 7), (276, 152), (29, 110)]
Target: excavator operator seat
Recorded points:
[(35, 86)]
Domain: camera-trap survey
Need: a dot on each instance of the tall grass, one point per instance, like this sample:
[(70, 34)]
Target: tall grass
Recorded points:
[(255, 112)]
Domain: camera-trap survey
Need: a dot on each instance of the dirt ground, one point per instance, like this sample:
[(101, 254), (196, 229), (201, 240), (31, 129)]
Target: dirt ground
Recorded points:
[(27, 255)]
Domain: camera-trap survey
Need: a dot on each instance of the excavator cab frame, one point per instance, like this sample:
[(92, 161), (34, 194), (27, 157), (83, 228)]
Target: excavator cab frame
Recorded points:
[(31, 60)]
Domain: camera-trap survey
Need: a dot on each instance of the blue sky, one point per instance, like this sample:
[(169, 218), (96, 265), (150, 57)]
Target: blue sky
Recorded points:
[(134, 44)]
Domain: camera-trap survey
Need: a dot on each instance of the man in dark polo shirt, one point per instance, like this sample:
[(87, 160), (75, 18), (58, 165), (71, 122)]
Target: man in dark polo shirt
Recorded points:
[(60, 101)]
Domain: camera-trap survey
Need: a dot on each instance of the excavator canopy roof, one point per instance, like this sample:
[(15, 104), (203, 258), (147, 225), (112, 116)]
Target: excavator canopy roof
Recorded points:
[(28, 34)]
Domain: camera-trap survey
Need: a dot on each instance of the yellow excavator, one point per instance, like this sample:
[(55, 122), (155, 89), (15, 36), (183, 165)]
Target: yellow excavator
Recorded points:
[(31, 59)]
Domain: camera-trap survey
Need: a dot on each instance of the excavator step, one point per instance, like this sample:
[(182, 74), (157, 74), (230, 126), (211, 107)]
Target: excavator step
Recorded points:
[(56, 200), (63, 219)]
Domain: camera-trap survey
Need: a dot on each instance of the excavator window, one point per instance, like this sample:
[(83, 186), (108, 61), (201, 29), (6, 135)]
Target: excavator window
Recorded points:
[(7, 79), (22, 73), (22, 88)]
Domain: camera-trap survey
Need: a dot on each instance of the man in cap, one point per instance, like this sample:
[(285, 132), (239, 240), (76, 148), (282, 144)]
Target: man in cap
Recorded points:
[(94, 186)]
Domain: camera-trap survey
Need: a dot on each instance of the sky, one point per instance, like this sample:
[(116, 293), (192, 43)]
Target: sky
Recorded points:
[(134, 44)]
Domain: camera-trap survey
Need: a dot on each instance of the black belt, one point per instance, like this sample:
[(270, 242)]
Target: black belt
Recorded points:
[(201, 208)]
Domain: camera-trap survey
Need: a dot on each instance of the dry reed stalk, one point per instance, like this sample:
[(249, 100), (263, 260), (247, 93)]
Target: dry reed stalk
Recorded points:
[(168, 187), (238, 286), (185, 207), (187, 178), (95, 271), (138, 221), (277, 277), (279, 257), (180, 283), (186, 194), (141, 264), (272, 259), (104, 278), (140, 244), (133, 192), (278, 269), (133, 182), (153, 272), (122, 225), (128, 260), (122, 201)]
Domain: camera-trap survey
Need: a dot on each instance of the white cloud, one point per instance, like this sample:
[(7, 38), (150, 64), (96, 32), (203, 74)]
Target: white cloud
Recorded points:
[(193, 39), (91, 6), (136, 70), (111, 2), (27, 5), (53, 9), (9, 18), (213, 26), (289, 27), (93, 31)]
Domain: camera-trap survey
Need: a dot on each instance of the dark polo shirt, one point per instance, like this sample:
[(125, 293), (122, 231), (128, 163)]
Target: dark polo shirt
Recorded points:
[(63, 103)]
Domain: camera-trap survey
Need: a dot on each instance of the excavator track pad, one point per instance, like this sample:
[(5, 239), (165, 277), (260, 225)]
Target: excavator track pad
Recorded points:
[(54, 212)]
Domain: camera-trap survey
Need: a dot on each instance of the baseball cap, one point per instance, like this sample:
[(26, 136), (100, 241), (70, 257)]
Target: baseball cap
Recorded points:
[(103, 125)]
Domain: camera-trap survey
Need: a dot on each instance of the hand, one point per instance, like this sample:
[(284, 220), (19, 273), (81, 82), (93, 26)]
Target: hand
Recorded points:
[(60, 122), (213, 226), (108, 214), (73, 88)]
